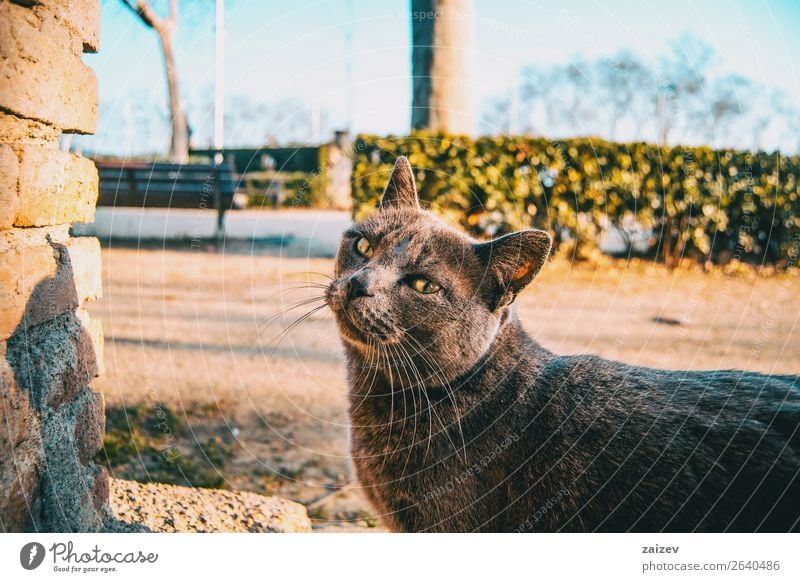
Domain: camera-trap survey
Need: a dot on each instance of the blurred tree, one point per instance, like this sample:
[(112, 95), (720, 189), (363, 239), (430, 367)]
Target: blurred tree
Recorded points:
[(623, 81), (789, 115), (729, 100), (579, 95), (565, 95), (285, 121), (164, 27), (679, 98), (683, 86), (441, 92), (534, 96), (496, 118)]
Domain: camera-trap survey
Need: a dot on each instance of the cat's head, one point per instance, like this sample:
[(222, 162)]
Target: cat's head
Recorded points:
[(409, 286)]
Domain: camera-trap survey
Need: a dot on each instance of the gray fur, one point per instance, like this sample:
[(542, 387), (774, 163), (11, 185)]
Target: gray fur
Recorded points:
[(462, 422)]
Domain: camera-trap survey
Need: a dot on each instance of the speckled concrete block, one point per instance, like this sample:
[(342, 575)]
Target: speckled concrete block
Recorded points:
[(171, 508)]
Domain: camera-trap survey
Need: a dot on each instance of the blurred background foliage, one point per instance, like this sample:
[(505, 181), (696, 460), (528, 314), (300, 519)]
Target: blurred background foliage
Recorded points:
[(662, 202)]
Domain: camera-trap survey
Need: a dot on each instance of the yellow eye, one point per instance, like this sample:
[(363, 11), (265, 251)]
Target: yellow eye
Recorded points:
[(364, 248), (424, 285)]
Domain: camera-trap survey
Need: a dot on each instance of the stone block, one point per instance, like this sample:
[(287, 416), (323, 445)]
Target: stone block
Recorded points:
[(42, 77), (41, 281), (54, 187), (90, 421)]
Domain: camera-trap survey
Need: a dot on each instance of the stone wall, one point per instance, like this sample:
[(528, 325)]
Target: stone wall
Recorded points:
[(50, 349)]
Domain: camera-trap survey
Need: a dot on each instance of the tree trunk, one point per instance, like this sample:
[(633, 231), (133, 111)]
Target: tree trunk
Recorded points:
[(179, 146), (441, 94)]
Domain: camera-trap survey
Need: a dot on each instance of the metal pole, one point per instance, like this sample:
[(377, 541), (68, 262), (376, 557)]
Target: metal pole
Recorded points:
[(348, 39), (219, 73), (219, 112)]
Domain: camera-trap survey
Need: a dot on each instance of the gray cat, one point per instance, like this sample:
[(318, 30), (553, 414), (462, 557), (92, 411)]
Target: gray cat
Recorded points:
[(461, 422)]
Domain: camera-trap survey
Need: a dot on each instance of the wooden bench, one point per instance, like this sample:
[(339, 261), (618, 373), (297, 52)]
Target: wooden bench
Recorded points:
[(162, 185)]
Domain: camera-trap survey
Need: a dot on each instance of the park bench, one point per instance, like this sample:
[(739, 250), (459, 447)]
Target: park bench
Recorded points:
[(164, 185)]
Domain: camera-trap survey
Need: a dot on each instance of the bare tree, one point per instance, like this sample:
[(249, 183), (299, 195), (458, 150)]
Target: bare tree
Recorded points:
[(683, 89), (440, 30), (283, 121), (781, 110), (495, 118), (571, 98), (164, 27), (729, 100), (622, 81), (679, 99)]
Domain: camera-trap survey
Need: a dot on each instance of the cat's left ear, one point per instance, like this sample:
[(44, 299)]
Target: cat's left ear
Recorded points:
[(512, 262), (401, 189)]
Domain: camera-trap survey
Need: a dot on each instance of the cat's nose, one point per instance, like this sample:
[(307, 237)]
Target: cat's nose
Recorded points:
[(356, 289)]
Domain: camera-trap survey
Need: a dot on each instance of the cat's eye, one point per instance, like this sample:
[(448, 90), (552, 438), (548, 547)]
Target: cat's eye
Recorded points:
[(364, 248), (424, 285)]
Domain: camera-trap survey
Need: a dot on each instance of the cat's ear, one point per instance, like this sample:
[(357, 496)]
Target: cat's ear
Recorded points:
[(401, 191), (511, 262)]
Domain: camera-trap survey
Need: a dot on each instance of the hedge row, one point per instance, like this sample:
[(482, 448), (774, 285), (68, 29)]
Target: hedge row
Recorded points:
[(283, 159), (665, 202), (291, 189)]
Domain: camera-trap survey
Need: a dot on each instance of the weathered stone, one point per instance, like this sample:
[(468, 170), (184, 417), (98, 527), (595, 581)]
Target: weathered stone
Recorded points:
[(84, 255), (42, 76), (18, 237), (82, 17), (53, 361), (42, 186), (36, 285), (21, 131), (9, 175), (20, 494), (100, 488), (50, 423), (47, 481), (171, 508), (90, 420), (94, 330), (67, 485), (20, 453), (41, 281), (54, 187), (15, 407)]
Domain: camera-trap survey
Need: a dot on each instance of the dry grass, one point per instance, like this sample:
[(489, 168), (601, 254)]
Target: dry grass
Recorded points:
[(183, 337)]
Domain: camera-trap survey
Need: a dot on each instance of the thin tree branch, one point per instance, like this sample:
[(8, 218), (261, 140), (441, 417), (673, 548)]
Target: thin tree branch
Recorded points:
[(143, 10), (173, 12)]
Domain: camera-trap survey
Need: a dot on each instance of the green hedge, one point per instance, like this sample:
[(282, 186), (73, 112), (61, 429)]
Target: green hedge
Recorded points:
[(298, 189), (698, 202), (285, 159)]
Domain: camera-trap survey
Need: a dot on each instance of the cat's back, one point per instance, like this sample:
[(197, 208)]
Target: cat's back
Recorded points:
[(657, 449), (715, 397)]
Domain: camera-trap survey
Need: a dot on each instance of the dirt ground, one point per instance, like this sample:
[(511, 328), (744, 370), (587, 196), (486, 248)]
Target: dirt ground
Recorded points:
[(198, 393)]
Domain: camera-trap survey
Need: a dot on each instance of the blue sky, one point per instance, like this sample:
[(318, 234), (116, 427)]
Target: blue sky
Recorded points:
[(279, 50)]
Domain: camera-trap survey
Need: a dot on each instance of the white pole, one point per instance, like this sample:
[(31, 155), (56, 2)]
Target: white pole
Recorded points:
[(219, 74), (348, 32)]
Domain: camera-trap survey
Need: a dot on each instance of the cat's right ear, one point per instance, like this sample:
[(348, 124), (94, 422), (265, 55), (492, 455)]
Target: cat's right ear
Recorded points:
[(511, 262), (401, 191)]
